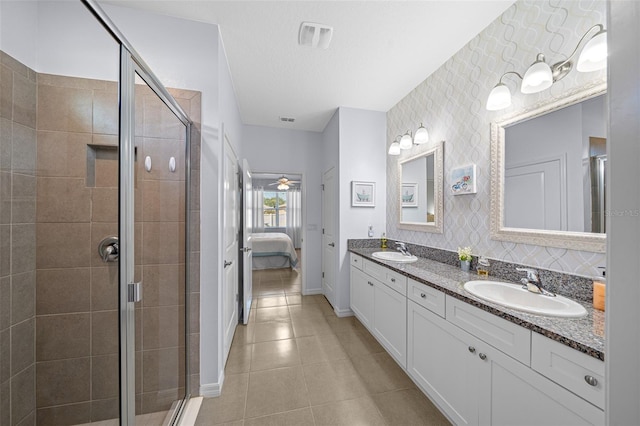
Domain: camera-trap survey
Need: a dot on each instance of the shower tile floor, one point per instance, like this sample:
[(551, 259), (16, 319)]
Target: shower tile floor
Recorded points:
[(297, 363)]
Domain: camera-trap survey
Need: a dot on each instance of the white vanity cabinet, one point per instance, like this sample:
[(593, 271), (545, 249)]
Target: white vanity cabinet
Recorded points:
[(361, 293), (441, 359), (478, 368), (378, 300)]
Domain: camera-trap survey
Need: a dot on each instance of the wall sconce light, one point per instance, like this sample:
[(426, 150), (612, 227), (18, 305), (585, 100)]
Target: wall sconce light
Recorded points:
[(394, 148), (421, 136), (540, 76), (406, 142)]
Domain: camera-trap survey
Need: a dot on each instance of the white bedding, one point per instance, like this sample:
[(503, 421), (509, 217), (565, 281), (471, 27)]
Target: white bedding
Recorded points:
[(269, 244)]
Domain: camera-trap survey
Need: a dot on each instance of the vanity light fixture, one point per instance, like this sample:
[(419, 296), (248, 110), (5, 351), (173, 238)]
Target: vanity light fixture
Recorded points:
[(421, 136), (394, 148), (406, 142), (540, 76)]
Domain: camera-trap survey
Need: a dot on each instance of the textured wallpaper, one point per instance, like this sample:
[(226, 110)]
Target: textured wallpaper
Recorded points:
[(451, 104)]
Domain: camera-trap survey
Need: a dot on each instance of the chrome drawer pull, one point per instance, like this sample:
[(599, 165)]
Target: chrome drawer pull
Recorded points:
[(393, 280), (370, 283), (592, 381), (424, 296)]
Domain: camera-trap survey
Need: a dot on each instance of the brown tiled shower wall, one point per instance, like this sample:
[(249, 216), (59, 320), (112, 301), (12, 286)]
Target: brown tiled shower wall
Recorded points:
[(17, 242), (70, 203)]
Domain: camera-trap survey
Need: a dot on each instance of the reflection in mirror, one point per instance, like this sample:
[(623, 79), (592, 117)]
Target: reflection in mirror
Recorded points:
[(548, 173), (421, 191), (554, 169)]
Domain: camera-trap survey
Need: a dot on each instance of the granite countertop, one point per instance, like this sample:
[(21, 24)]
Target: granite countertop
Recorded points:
[(583, 334)]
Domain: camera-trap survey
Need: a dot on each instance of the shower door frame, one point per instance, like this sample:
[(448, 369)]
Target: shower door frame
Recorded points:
[(131, 64)]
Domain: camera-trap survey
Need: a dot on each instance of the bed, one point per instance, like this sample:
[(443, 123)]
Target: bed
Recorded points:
[(273, 250)]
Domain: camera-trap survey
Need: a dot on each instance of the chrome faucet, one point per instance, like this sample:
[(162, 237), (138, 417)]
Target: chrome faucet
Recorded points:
[(402, 248), (532, 282)]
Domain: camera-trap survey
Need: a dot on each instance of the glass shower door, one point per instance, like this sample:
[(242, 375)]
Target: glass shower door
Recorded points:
[(160, 256), (154, 172)]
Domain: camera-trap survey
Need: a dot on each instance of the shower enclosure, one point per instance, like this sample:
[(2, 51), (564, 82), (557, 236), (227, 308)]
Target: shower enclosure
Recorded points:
[(95, 236)]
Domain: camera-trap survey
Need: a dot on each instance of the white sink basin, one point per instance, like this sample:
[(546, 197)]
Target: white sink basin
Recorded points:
[(394, 256), (515, 297)]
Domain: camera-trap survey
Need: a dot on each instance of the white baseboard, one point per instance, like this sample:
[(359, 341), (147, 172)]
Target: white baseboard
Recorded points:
[(212, 389), (310, 292), (343, 312)]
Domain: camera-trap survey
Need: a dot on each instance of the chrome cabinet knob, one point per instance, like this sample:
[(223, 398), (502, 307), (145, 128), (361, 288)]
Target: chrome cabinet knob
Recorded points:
[(424, 296), (591, 381), (472, 349), (393, 280), (482, 356), (370, 283)]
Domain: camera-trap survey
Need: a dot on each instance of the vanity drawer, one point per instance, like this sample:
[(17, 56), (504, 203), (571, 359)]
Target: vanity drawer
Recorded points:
[(506, 336), (574, 370), (426, 296), (392, 279), (356, 260)]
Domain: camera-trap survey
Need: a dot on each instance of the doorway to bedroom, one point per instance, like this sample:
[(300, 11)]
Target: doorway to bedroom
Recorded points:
[(277, 238)]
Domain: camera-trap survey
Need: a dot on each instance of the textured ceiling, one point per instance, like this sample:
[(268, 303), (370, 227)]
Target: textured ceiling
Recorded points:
[(380, 51)]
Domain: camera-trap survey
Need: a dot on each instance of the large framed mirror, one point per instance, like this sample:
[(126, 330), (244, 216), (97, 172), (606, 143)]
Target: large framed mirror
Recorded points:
[(548, 173), (421, 182)]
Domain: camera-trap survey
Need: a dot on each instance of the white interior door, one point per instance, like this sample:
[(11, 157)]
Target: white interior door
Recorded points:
[(328, 235), (247, 255), (535, 195), (230, 265)]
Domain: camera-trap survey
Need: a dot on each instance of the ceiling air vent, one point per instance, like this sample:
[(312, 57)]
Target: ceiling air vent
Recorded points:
[(287, 119), (315, 35)]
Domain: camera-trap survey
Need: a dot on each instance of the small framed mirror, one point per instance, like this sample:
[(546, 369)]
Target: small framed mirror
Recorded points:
[(421, 183), (548, 173)]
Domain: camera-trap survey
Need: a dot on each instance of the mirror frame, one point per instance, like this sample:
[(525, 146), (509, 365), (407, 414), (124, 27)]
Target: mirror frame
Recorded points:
[(438, 197), (584, 241)]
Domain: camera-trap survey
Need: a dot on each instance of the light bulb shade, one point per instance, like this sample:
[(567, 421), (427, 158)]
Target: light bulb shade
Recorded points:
[(594, 54), (394, 149), (538, 77), (499, 98), (421, 136), (283, 186), (406, 142)]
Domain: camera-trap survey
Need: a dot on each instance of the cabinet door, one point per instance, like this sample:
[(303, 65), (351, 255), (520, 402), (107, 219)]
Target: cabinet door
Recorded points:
[(513, 394), (362, 296), (442, 360), (390, 321)]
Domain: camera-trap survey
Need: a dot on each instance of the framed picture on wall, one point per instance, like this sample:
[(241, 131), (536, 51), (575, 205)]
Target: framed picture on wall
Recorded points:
[(463, 180), (363, 194), (409, 194)]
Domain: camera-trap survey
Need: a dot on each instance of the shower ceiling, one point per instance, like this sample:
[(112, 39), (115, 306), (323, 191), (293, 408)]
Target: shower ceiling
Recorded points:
[(380, 51)]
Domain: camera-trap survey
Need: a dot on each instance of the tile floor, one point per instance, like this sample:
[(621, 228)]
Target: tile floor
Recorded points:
[(296, 363)]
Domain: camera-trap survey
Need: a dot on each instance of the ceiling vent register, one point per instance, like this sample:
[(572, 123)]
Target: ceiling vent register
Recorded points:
[(315, 35)]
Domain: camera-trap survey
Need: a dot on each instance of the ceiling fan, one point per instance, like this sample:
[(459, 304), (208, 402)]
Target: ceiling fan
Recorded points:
[(283, 182)]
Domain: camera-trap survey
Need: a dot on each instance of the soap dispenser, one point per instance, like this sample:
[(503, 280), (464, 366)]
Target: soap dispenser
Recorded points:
[(383, 241), (599, 290)]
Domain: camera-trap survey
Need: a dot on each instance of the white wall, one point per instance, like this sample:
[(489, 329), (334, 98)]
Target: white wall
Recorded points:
[(19, 31), (363, 157), (623, 225), (294, 152)]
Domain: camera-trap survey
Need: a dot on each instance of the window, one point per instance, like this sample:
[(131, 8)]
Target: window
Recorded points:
[(275, 209)]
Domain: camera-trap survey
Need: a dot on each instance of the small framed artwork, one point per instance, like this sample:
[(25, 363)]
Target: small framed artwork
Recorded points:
[(409, 194), (363, 194), (463, 180)]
